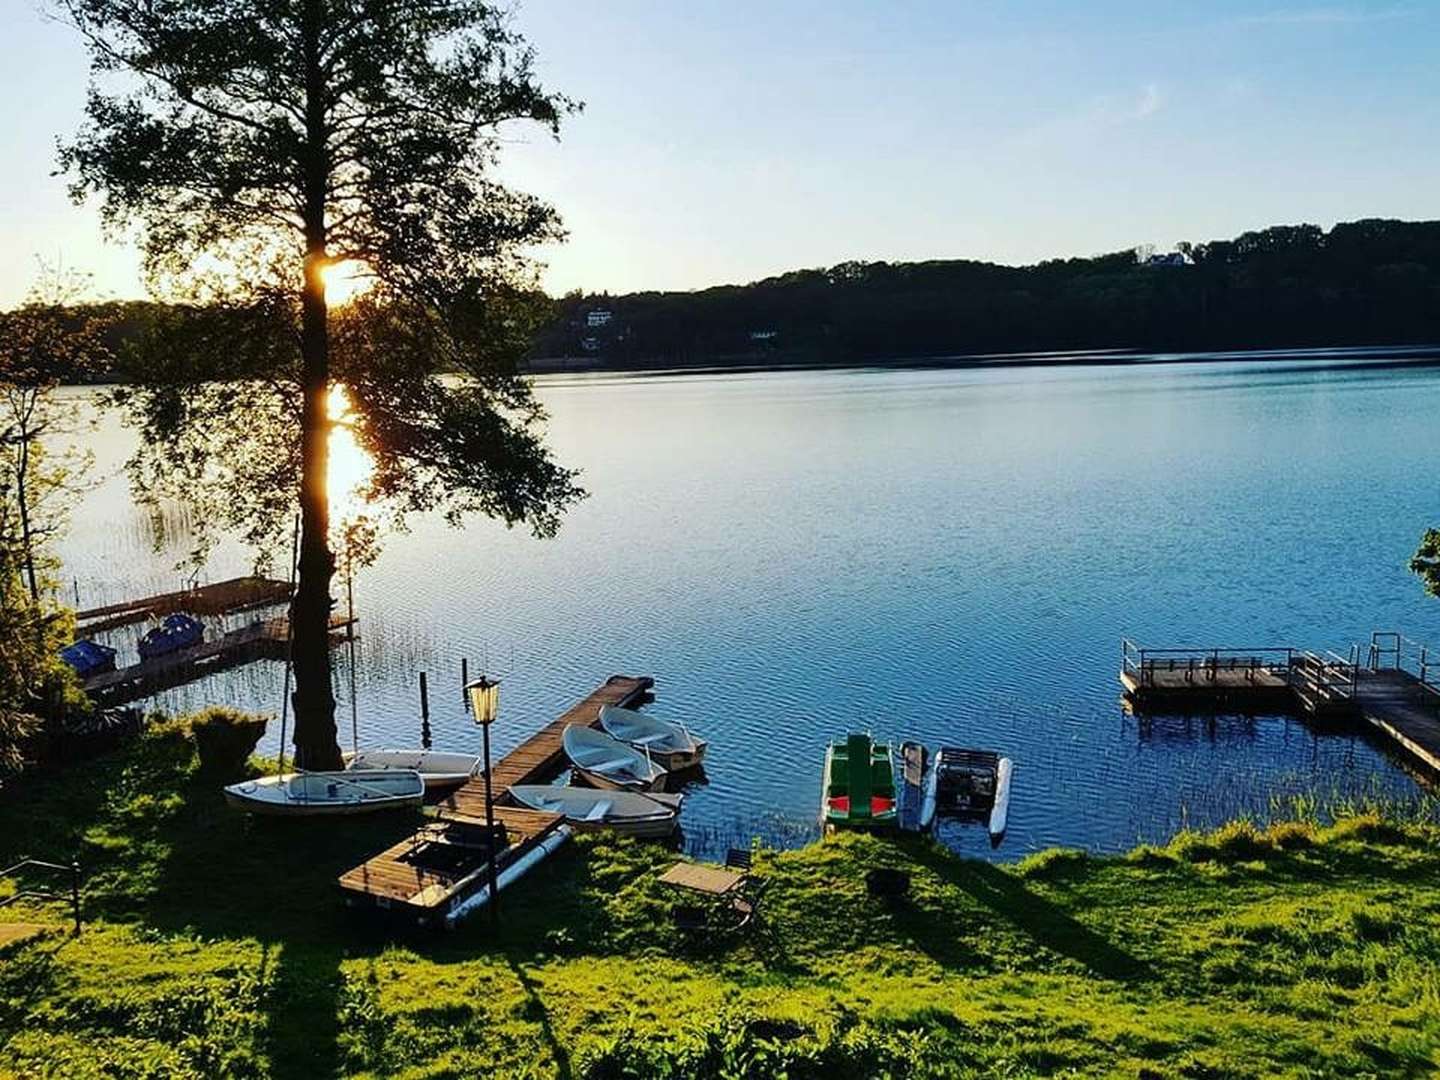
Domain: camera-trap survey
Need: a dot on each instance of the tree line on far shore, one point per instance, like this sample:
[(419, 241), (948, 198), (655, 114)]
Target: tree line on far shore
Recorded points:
[(1361, 283)]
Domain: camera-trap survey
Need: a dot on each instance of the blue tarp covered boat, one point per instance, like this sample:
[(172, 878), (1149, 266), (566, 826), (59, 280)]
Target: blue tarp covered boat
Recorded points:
[(178, 631), (88, 657)]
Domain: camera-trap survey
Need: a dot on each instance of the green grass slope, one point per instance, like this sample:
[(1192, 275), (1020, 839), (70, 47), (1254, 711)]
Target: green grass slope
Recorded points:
[(218, 947)]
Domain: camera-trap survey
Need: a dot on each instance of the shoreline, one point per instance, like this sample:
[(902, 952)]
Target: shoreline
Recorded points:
[(1370, 357)]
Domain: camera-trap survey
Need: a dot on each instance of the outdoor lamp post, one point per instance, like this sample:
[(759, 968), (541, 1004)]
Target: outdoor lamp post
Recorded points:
[(484, 704)]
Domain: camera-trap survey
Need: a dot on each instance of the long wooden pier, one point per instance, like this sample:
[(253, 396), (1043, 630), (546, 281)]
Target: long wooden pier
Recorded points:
[(268, 639), (430, 876), (220, 598), (1393, 685)]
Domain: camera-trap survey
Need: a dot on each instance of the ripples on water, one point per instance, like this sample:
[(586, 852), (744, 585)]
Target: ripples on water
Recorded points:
[(950, 556)]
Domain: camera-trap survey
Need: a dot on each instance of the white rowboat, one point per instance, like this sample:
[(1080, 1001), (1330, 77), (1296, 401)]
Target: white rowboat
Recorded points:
[(437, 768), (318, 794), (608, 763), (668, 743), (625, 812)]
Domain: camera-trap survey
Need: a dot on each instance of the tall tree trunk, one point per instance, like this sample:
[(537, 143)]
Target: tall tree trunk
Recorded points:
[(22, 499), (315, 742)]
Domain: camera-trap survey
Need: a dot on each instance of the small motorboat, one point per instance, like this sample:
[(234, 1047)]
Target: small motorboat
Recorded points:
[(328, 794), (627, 812), (666, 742), (175, 632), (973, 783), (609, 763), (437, 768), (89, 657), (858, 785)]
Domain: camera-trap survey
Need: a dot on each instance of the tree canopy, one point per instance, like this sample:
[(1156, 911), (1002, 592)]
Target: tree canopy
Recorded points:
[(260, 146)]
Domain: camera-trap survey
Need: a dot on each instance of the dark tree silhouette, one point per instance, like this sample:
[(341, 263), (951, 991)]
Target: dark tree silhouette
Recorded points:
[(258, 144)]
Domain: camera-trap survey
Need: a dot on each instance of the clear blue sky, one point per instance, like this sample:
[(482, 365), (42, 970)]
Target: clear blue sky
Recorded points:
[(728, 141)]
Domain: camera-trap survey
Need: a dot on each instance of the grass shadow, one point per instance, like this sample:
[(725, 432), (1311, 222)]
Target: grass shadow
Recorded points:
[(1007, 898), (535, 1010)]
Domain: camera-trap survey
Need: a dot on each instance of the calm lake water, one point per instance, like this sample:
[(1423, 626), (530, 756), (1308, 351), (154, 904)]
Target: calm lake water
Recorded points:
[(946, 555)]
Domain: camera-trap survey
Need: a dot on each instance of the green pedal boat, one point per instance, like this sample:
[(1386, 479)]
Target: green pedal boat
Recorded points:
[(858, 788)]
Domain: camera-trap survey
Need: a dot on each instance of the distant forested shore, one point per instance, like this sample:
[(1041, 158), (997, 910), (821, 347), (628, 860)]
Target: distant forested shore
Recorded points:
[(1370, 282), (1363, 283)]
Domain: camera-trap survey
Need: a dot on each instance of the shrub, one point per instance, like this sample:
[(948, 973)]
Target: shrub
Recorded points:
[(225, 738)]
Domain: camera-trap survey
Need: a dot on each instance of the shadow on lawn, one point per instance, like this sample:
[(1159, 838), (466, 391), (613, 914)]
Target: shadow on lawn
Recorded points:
[(1041, 920), (535, 1010), (161, 849)]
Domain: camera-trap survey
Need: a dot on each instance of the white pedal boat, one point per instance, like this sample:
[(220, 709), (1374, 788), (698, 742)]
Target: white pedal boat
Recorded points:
[(670, 744), (437, 768), (321, 794), (608, 763), (626, 812)]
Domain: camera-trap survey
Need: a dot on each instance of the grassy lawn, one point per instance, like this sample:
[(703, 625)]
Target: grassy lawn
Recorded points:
[(218, 947)]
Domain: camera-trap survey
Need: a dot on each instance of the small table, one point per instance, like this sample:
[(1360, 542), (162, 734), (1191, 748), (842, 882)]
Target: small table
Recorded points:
[(711, 880)]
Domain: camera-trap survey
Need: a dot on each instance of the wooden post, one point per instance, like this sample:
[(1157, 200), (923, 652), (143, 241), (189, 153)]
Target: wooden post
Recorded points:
[(465, 681), (424, 712), (75, 893)]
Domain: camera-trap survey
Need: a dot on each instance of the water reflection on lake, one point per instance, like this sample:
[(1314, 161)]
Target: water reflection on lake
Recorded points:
[(948, 555)]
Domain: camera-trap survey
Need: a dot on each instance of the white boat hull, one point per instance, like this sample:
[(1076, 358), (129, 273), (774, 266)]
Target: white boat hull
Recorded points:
[(609, 763), (624, 812), (328, 794), (1000, 811), (438, 769), (669, 745)]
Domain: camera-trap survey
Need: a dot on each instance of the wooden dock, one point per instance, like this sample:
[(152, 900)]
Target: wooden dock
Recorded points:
[(267, 639), (430, 876), (220, 598), (1393, 686)]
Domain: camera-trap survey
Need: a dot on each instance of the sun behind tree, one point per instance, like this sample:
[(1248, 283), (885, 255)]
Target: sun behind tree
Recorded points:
[(316, 145)]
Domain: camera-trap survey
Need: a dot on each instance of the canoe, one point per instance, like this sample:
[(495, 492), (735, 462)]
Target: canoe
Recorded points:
[(1000, 810), (437, 768), (626, 812), (670, 744), (858, 785), (328, 794), (608, 763)]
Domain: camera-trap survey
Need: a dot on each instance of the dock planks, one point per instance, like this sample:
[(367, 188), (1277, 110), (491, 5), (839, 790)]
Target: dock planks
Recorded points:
[(267, 638), (219, 598), (404, 877), (1400, 705)]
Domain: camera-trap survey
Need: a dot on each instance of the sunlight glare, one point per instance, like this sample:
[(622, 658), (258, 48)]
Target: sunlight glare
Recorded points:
[(345, 280), (350, 465)]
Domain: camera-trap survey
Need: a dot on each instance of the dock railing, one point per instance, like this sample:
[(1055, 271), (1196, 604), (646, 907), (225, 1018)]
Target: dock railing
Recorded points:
[(1205, 665), (1325, 680), (1391, 650)]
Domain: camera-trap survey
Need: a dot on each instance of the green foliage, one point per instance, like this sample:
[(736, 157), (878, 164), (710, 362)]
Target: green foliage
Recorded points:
[(1426, 562), (217, 947), (225, 738)]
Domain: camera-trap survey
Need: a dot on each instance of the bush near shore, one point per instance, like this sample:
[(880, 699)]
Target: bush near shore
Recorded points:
[(218, 947)]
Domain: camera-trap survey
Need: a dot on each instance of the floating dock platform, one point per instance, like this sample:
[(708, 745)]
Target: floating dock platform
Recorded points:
[(441, 873), (1393, 686), (267, 639), (220, 598)]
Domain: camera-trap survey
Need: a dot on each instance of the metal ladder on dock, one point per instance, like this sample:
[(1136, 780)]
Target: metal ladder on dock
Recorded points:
[(1324, 683)]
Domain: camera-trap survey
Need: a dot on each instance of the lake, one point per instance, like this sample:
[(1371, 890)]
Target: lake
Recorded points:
[(946, 555)]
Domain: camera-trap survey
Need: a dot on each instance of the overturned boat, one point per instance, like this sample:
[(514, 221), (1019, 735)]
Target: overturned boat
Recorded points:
[(669, 744), (609, 763), (628, 812), (437, 768), (328, 794)]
